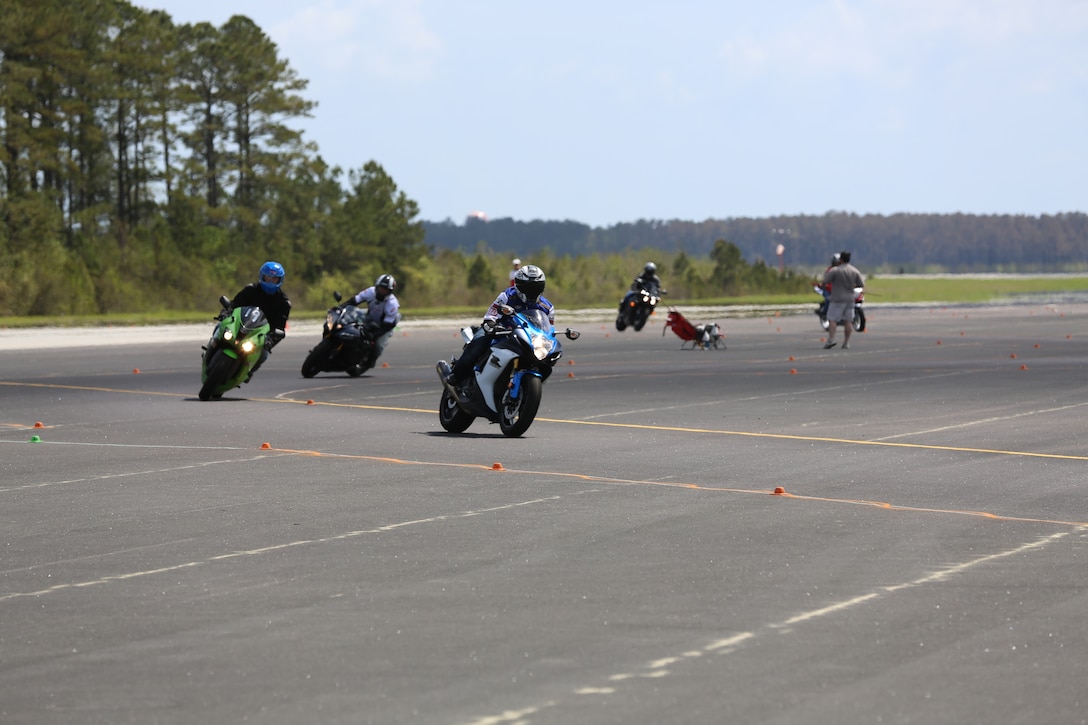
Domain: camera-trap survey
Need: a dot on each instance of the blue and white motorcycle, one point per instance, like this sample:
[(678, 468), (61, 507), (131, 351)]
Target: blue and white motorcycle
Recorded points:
[(508, 381)]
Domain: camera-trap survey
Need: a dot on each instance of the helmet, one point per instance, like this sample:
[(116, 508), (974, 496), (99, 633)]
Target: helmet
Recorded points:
[(271, 277), (387, 282), (836, 258), (650, 268), (529, 282), (516, 262)]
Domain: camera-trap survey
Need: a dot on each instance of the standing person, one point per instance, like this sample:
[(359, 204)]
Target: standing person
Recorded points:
[(267, 293), (383, 310), (527, 292), (514, 270), (846, 284)]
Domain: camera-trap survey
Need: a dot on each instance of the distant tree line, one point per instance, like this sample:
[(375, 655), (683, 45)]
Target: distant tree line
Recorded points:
[(899, 242)]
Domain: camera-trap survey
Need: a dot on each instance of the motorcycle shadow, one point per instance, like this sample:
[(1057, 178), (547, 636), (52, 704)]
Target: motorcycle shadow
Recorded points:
[(470, 434)]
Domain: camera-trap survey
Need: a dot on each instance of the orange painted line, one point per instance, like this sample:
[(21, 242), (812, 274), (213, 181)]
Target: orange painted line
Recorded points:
[(690, 486)]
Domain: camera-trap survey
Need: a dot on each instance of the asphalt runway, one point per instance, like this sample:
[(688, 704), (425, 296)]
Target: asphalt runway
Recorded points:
[(771, 533)]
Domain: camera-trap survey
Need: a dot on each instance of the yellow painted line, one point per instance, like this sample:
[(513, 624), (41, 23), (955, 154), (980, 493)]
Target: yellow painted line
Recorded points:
[(818, 439), (605, 424)]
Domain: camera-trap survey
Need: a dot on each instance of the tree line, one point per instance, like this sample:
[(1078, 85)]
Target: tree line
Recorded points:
[(150, 165), (914, 243)]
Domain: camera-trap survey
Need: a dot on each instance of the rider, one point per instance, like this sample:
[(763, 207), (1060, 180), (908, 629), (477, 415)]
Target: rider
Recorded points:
[(383, 310), (267, 293), (527, 292), (825, 289), (646, 280)]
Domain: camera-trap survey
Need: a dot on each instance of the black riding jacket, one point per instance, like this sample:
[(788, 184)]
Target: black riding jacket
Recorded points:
[(276, 306)]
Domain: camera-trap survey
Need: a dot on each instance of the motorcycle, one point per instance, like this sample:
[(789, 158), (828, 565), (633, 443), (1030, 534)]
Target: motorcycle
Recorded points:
[(636, 308), (859, 309), (235, 347), (506, 386), (346, 345)]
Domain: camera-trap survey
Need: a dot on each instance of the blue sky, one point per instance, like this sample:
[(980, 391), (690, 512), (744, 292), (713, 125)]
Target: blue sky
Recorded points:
[(605, 112)]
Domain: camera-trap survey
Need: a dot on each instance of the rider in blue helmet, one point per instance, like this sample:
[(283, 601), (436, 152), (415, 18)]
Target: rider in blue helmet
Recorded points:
[(271, 277), (267, 293)]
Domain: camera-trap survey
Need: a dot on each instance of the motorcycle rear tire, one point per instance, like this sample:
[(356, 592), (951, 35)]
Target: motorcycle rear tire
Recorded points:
[(516, 416), (218, 373), (450, 415), (859, 320), (315, 361)]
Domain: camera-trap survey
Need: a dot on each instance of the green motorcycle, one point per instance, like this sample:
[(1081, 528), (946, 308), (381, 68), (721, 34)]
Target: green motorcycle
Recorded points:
[(234, 349)]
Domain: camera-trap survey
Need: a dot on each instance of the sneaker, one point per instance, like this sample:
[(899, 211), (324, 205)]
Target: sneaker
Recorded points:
[(830, 344), (846, 346)]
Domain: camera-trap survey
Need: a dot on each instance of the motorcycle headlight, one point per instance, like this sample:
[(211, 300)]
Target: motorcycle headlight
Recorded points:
[(330, 318), (228, 335), (247, 346), (542, 347)]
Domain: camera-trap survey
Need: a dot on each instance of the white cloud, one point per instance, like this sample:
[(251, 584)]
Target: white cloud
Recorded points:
[(387, 40)]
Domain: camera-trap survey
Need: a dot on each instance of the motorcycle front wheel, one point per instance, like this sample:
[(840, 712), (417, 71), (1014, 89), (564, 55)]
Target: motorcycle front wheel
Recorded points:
[(516, 416), (315, 361), (450, 415), (218, 373), (824, 323)]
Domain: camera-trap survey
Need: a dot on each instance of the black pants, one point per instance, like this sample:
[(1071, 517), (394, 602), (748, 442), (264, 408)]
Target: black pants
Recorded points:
[(472, 352)]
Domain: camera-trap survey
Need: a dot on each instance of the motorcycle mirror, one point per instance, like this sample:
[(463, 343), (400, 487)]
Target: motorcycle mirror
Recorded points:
[(336, 295), (224, 302), (573, 334)]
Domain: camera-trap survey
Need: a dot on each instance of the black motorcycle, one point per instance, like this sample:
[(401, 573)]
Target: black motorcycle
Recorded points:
[(636, 308), (346, 345)]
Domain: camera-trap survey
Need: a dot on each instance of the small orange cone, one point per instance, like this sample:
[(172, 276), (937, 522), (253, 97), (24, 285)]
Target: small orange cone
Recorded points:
[(793, 371), (310, 401), (497, 467), (1013, 356), (385, 365), (791, 358), (570, 374), (39, 424), (266, 446), (778, 491), (1023, 367), (135, 371)]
